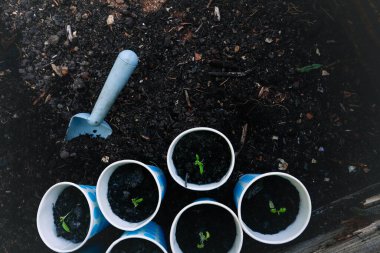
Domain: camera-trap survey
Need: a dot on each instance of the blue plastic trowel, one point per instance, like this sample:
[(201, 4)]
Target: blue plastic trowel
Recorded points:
[(93, 124)]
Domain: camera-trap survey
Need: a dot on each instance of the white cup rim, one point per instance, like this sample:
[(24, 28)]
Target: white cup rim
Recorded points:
[(205, 202), (104, 205), (122, 238), (40, 230), (284, 175), (192, 186)]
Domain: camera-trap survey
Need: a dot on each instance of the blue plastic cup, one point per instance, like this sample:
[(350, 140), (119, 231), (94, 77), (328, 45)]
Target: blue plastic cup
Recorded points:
[(294, 229), (102, 193), (151, 232), (45, 219)]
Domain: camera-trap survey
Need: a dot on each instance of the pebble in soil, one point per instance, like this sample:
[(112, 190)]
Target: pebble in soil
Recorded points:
[(202, 219), (72, 204), (256, 210), (135, 245), (130, 182), (213, 152)]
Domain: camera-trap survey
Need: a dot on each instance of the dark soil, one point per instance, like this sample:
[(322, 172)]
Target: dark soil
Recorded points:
[(256, 212), (213, 152), (72, 204), (320, 125), (136, 246), (202, 219), (129, 182)]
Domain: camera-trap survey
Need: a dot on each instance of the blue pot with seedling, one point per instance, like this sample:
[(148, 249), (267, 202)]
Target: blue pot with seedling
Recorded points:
[(68, 216), (198, 228), (201, 159), (130, 193), (273, 208), (149, 238)]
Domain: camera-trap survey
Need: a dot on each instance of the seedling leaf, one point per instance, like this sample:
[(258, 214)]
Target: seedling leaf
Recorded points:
[(273, 210), (308, 68), (200, 245), (271, 205), (137, 201), (63, 223), (65, 227), (199, 164)]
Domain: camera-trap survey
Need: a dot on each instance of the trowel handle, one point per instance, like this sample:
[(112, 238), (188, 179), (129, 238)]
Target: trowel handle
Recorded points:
[(122, 69)]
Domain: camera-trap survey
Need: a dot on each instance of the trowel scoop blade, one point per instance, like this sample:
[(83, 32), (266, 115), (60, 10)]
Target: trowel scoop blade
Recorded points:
[(79, 125)]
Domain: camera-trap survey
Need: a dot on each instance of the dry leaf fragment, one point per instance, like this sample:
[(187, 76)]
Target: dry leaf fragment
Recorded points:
[(60, 70), (309, 116), (217, 13), (325, 73), (237, 49), (110, 20), (197, 56), (268, 40)]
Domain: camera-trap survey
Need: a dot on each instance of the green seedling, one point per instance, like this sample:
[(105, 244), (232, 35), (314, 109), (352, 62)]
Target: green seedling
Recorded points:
[(199, 164), (273, 209), (63, 223), (203, 237), (137, 201)]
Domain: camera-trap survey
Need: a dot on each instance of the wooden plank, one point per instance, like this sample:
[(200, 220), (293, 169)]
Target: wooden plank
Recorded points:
[(363, 240), (371, 201)]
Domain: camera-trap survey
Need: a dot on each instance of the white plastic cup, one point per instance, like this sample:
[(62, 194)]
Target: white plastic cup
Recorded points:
[(238, 243), (102, 192), (294, 229), (198, 187), (151, 232), (45, 219)]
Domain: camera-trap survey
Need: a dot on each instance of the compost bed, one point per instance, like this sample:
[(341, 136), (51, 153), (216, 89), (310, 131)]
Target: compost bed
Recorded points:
[(325, 128)]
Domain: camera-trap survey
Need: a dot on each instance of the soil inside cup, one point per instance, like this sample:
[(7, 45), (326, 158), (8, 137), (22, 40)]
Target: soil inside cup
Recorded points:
[(132, 193), (270, 205), (136, 245), (212, 223), (212, 151), (72, 215)]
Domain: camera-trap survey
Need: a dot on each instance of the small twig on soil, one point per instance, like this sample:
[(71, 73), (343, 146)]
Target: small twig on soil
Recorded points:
[(39, 98), (187, 99), (199, 27), (231, 74), (56, 2), (331, 64), (222, 83), (244, 131), (209, 4)]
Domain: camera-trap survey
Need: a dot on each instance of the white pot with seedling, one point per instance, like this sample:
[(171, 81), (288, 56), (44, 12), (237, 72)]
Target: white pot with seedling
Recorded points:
[(273, 208), (201, 159)]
